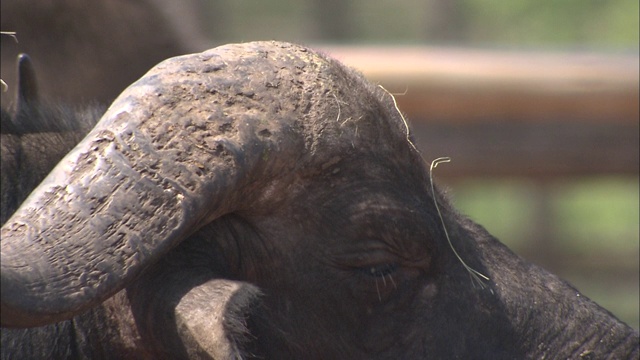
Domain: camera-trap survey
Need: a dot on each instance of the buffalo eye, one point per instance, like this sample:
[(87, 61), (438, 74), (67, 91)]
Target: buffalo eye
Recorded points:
[(380, 271), (378, 280)]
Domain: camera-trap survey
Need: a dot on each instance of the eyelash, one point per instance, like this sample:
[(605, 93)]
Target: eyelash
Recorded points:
[(382, 274), (380, 271)]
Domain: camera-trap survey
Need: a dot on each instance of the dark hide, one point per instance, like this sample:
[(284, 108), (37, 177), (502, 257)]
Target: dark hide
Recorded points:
[(85, 50)]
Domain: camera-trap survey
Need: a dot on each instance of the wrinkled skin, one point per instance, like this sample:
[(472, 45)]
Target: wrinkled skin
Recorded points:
[(271, 165)]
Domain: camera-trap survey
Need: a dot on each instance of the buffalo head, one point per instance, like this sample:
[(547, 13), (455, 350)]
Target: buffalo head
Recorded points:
[(270, 164)]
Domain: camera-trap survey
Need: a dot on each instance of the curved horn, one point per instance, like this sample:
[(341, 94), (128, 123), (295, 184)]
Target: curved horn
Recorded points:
[(197, 137)]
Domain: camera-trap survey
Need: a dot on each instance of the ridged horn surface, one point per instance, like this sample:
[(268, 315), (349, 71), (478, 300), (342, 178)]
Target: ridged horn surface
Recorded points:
[(197, 137)]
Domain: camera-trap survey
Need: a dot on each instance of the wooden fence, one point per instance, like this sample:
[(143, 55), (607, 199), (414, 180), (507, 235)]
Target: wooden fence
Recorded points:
[(499, 113)]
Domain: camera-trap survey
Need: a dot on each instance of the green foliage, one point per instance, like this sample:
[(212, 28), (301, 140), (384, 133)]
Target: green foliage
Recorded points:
[(601, 214), (588, 215), (566, 22), (501, 206), (596, 24)]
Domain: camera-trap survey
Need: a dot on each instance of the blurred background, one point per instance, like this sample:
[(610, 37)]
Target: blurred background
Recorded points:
[(536, 102)]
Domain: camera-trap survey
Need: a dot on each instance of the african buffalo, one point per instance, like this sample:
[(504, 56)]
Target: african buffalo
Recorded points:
[(262, 200), (34, 138)]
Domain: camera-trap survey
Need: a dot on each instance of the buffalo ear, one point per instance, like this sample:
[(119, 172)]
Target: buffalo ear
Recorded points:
[(27, 84), (185, 312), (213, 316)]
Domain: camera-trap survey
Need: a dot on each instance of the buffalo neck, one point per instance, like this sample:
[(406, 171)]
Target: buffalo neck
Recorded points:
[(552, 318)]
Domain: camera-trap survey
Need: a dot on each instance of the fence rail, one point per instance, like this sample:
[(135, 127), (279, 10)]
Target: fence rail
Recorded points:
[(499, 113)]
